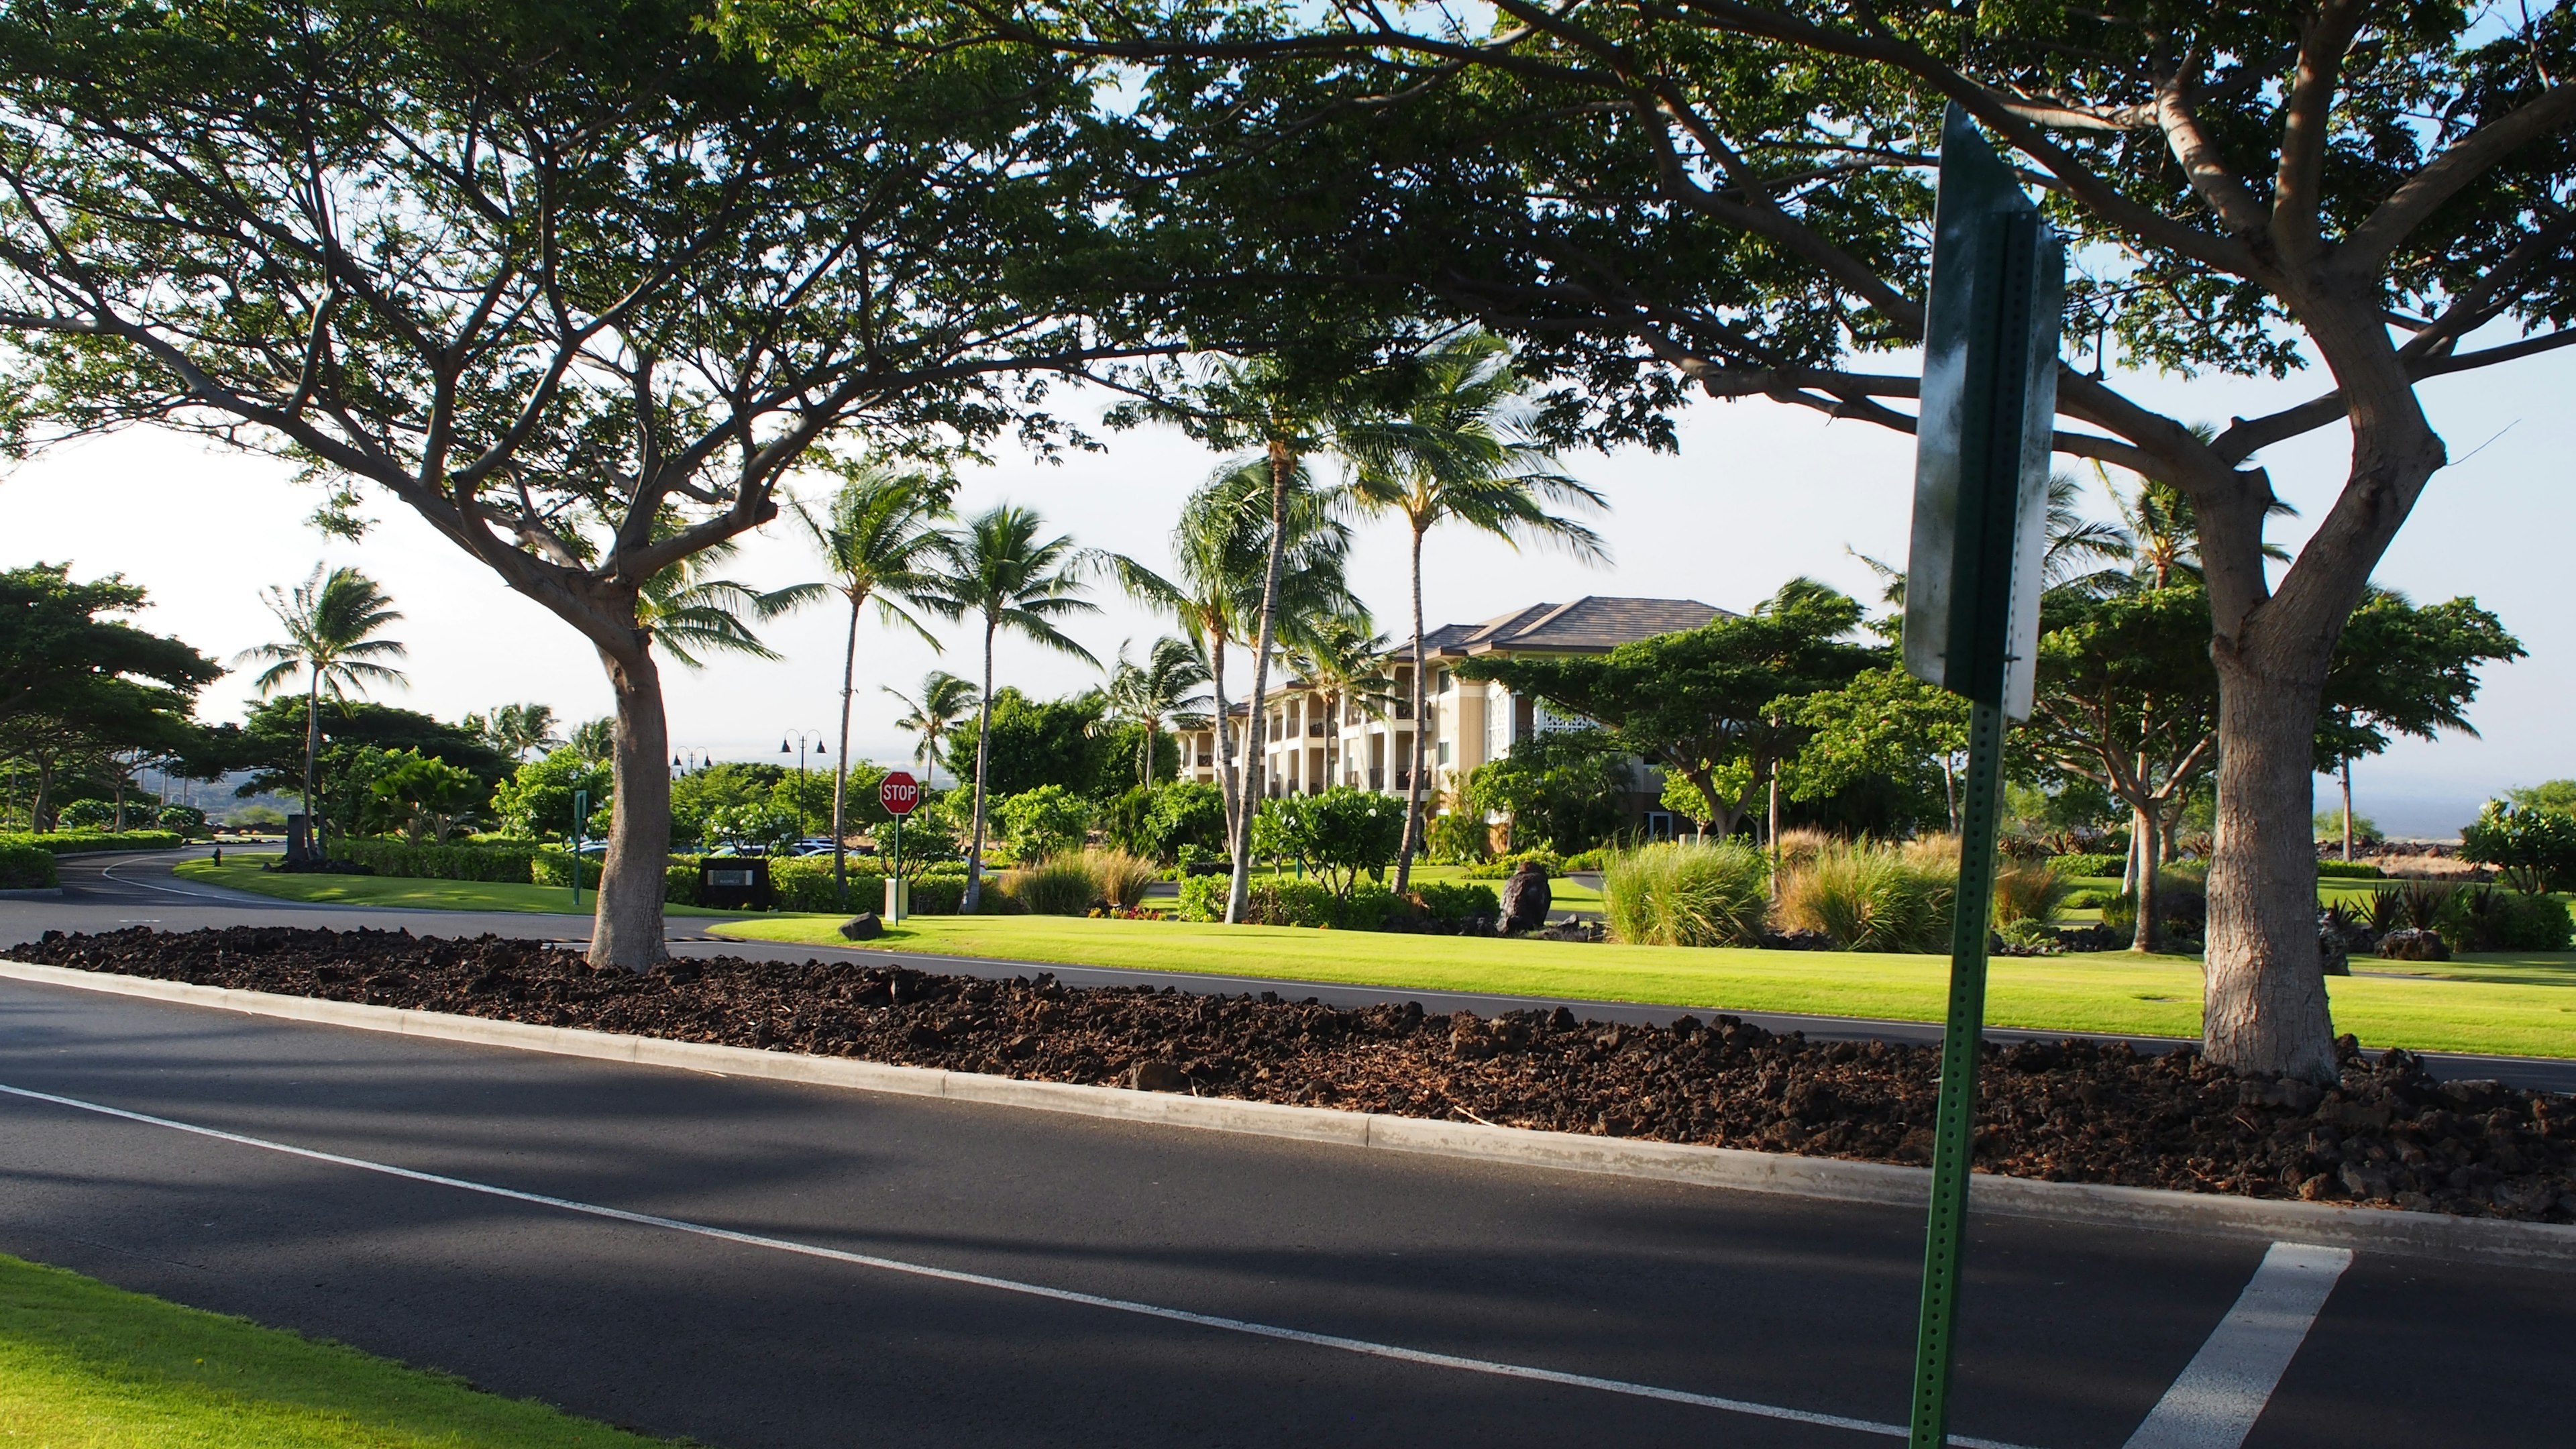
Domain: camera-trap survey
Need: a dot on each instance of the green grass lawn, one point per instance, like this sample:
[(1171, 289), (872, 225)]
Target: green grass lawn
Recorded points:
[(87, 1366), (243, 873), (2515, 1005)]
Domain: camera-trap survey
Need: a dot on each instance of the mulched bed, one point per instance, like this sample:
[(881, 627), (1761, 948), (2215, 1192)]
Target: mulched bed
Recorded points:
[(2388, 1135)]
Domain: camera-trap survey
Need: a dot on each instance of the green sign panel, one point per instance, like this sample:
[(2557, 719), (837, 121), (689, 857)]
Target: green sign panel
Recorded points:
[(1981, 447)]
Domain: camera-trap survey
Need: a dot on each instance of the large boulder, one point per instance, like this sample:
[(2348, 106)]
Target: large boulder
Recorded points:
[(2333, 950), (1526, 898), (2410, 944)]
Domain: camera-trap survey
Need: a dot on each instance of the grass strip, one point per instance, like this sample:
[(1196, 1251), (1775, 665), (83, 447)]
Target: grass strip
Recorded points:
[(2511, 1005), (84, 1365), (243, 873)]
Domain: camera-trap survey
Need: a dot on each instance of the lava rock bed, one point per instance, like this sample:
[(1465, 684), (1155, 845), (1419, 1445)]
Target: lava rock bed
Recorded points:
[(2387, 1134)]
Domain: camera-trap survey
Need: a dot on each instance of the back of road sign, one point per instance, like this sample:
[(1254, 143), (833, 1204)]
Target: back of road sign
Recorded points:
[(1982, 447)]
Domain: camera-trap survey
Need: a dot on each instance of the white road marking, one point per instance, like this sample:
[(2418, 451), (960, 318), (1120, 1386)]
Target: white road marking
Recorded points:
[(1032, 1290), (2223, 1389)]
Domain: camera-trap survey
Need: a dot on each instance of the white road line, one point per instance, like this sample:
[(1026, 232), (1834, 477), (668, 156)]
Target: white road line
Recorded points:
[(2223, 1389), (1034, 1290)]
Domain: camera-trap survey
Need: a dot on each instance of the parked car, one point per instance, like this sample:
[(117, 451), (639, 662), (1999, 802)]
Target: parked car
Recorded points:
[(811, 845)]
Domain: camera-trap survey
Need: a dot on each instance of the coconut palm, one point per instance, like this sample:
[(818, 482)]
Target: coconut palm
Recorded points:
[(690, 614), (1221, 552), (1458, 449), (879, 533), (945, 700), (517, 730), (331, 622), (1165, 692), (997, 569), (1343, 657)]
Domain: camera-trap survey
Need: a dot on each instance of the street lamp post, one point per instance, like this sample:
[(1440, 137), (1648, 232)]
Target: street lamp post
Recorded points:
[(802, 740)]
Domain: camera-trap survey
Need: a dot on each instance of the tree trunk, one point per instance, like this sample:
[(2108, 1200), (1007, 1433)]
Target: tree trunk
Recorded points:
[(2142, 850), (2346, 772), (626, 923), (1238, 897), (1421, 719), (983, 757), (1950, 787), (2264, 998), (1229, 789), (841, 769), (312, 751)]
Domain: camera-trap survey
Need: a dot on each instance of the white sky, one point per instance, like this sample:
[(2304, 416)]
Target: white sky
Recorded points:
[(1757, 493)]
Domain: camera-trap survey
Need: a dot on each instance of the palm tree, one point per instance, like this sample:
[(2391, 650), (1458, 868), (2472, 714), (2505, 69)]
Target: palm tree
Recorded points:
[(1162, 693), (331, 620), (1343, 658), (1221, 551), (689, 614), (879, 535), (997, 569), (945, 700), (517, 729), (1459, 449)]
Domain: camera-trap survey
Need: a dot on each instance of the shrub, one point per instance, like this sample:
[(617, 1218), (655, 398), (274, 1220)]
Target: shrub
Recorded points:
[(552, 865), (1502, 866), (805, 883), (1461, 901), (1122, 878), (1597, 858), (2092, 864), (185, 819), (1047, 821), (1868, 896), (2486, 919), (26, 867), (754, 828), (680, 882), (1458, 837), (2120, 913), (1203, 897), (2089, 898), (1684, 893), (2350, 870), (2032, 893), (938, 895), (1337, 834), (487, 860), (76, 842), (88, 815), (1059, 885), (2534, 849)]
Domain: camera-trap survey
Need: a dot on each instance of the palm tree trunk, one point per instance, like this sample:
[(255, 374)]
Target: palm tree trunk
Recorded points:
[(983, 756), (841, 769), (2346, 772), (1239, 897), (312, 750), (1413, 785), (1226, 784)]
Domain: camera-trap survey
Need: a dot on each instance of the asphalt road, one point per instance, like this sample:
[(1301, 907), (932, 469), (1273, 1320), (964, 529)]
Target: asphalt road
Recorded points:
[(2071, 1334), (108, 893)]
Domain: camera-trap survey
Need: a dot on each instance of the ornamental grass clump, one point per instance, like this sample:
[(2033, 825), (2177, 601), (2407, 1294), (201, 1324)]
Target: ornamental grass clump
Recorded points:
[(1685, 893), (2029, 891), (1059, 885), (1121, 877), (1869, 895)]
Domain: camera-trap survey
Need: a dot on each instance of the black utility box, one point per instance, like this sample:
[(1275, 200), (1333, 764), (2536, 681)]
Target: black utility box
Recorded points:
[(735, 883)]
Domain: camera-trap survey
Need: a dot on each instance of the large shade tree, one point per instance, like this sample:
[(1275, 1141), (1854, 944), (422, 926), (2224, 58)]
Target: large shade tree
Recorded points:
[(574, 283), (1730, 198)]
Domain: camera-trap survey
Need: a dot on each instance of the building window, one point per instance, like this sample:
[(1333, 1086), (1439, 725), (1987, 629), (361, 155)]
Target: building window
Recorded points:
[(1444, 752)]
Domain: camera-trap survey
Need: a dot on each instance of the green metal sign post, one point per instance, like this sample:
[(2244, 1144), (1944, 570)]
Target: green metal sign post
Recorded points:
[(1972, 614)]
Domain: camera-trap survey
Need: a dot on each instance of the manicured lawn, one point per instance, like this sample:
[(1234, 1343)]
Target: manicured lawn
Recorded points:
[(243, 873), (2509, 1005), (87, 1366)]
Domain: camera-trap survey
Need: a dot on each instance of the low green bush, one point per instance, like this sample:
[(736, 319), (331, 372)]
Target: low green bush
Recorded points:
[(2089, 898), (551, 865), (1291, 903), (2090, 864), (76, 842), (1688, 893), (1502, 866), (1458, 901), (1597, 858), (938, 895), (2350, 870), (484, 860), (2483, 918), (1203, 897), (805, 883), (680, 882), (26, 867)]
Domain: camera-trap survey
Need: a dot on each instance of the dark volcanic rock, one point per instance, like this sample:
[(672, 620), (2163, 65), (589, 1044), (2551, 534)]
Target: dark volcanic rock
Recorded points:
[(862, 927), (2070, 1111), (1526, 897)]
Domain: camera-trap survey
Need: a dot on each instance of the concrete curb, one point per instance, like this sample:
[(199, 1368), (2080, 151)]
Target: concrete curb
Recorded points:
[(2425, 1235)]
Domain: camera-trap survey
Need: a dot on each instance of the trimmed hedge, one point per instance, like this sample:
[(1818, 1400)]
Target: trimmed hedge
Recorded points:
[(483, 860), (2095, 864), (75, 842), (804, 883), (1445, 901), (26, 867), (2350, 870), (1291, 903)]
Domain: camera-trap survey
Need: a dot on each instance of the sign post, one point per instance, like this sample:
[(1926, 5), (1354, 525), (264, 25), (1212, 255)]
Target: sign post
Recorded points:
[(1972, 613), (580, 814), (900, 794)]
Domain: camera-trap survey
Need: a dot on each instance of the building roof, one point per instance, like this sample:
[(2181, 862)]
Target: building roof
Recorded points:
[(1592, 624)]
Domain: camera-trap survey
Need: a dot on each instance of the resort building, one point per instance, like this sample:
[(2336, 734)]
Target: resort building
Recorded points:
[(1313, 738)]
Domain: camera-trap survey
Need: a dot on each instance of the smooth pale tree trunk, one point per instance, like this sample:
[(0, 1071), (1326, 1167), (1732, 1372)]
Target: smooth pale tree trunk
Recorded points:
[(312, 754), (2264, 997), (2142, 848), (1238, 897), (1229, 788), (983, 757), (841, 772), (1421, 721), (626, 926), (2346, 773)]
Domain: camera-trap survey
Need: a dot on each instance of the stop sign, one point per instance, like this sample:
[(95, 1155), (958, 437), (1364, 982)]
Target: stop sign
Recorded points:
[(899, 793)]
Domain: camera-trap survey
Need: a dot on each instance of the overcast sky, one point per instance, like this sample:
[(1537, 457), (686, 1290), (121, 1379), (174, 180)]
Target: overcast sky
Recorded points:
[(1758, 492)]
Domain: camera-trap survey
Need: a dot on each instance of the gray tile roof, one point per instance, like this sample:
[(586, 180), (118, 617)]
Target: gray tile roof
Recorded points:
[(1592, 624)]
